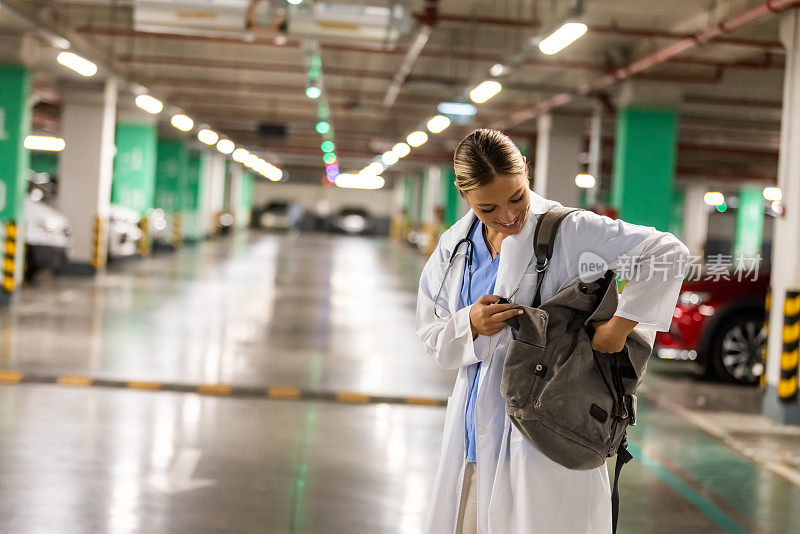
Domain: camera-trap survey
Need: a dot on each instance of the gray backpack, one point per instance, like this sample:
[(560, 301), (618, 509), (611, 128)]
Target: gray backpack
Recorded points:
[(573, 403)]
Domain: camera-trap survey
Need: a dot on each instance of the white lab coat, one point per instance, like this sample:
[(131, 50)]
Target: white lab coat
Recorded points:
[(521, 491)]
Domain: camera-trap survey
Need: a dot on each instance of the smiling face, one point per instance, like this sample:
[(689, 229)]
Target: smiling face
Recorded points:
[(502, 204)]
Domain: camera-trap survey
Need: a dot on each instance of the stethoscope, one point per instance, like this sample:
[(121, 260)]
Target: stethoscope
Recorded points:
[(469, 251)]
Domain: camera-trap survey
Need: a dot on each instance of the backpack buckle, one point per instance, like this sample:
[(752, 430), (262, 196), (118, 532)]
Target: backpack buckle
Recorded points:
[(542, 266), (630, 401)]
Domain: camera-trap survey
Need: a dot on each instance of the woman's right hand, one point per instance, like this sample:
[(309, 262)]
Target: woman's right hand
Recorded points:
[(488, 318)]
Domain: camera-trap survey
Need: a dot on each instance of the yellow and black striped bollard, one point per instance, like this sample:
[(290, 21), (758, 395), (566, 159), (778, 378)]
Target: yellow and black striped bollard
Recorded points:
[(10, 257), (98, 244), (787, 388), (144, 240), (177, 232)]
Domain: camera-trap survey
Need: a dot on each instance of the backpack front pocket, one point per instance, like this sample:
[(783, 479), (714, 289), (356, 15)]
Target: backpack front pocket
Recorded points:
[(523, 372)]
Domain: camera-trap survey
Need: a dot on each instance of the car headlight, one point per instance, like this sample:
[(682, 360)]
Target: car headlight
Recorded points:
[(693, 298)]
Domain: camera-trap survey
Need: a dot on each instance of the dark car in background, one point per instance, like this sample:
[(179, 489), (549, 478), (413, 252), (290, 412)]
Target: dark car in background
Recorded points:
[(719, 324), (278, 215), (353, 221)]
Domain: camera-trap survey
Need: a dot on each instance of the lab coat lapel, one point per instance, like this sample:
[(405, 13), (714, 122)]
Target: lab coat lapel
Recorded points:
[(516, 251), (456, 274)]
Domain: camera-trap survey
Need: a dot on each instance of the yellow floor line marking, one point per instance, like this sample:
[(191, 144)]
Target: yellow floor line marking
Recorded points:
[(74, 380), (422, 401), (283, 393), (356, 398), (149, 386), (214, 389), (10, 376)]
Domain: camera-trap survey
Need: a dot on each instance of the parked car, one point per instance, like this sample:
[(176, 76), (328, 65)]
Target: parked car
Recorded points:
[(123, 232), (278, 215), (352, 220), (47, 235), (719, 325)]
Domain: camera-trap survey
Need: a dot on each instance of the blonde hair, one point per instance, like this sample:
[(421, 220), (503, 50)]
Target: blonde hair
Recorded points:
[(482, 155)]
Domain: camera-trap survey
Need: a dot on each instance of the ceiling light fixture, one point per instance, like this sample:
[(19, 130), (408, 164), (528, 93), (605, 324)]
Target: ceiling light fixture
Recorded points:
[(484, 91), (389, 158), (438, 124), (182, 122), (417, 138), (401, 150), (225, 146), (43, 142), (209, 137), (73, 61), (149, 104), (562, 38)]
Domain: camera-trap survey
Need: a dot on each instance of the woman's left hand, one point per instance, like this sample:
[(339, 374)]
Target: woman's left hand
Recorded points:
[(609, 336)]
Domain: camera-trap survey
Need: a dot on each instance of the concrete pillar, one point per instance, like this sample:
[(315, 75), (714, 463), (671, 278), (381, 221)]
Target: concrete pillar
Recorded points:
[(15, 125), (241, 195), (781, 401), (171, 170), (431, 207), (749, 222), (245, 200), (88, 119), (695, 219), (559, 142), (134, 176), (214, 191), (645, 153), (396, 223)]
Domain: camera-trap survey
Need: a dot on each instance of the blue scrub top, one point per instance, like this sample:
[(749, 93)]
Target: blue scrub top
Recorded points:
[(484, 276)]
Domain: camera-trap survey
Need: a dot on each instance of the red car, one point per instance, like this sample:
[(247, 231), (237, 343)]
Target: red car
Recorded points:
[(720, 325)]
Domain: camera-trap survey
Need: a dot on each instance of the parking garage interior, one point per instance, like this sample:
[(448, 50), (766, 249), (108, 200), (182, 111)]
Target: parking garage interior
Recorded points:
[(215, 215)]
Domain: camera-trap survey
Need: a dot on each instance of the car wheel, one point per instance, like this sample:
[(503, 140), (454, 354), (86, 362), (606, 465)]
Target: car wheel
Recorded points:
[(737, 348)]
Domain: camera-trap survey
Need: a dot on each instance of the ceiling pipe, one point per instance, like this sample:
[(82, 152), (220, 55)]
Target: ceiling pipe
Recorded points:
[(771, 7), (428, 22), (765, 63), (177, 61)]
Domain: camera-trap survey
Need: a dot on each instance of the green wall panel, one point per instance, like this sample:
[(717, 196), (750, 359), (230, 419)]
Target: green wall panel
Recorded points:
[(171, 171), (15, 125), (134, 180), (644, 165)]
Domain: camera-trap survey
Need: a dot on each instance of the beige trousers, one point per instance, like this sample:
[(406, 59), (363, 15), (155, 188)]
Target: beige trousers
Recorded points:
[(468, 507)]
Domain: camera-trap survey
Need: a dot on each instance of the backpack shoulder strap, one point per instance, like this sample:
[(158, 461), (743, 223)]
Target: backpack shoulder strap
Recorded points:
[(544, 238)]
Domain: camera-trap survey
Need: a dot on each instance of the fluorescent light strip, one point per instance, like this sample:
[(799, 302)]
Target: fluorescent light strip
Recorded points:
[(438, 124), (209, 137), (485, 91), (417, 138), (401, 150), (73, 61), (360, 181), (225, 146), (43, 142), (562, 38), (182, 122), (149, 104)]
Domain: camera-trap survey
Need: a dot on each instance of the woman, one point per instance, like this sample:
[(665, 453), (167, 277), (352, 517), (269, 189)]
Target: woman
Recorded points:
[(490, 479)]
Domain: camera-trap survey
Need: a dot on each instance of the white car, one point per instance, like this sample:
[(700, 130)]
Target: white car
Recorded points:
[(123, 232), (47, 235)]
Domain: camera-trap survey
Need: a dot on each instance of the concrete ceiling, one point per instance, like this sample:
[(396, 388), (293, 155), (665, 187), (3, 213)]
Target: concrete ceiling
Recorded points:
[(730, 87)]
